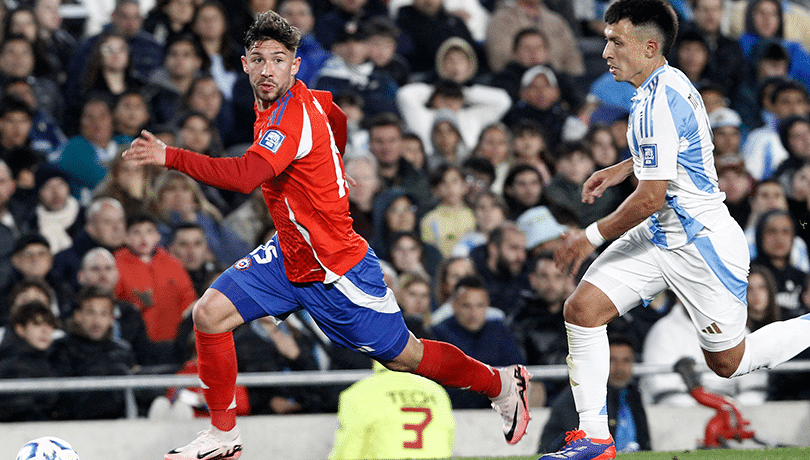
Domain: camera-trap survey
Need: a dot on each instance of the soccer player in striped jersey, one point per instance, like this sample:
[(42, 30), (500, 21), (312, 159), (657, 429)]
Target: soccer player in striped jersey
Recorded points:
[(316, 261), (672, 232)]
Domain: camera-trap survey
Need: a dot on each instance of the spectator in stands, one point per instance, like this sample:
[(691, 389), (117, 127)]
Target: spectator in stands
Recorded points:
[(250, 221), (737, 184), (126, 18), (22, 21), (264, 346), (15, 219), (128, 183), (89, 349), (17, 60), (725, 52), (413, 297), (672, 338), (362, 194), (541, 100), (599, 141), (152, 279), (130, 114), (177, 199), (766, 68), (25, 352), (28, 290), (449, 271), (16, 121), (342, 14), (425, 25), (169, 19), (501, 263), (713, 95), (349, 70), (394, 415), (59, 43), (762, 306), (87, 156), (775, 234), (58, 215), (799, 203), (691, 55), (185, 61), (512, 16), (489, 210), (46, 136), (763, 150), (522, 189), (794, 134), (726, 127), (188, 244), (210, 24), (543, 232), (529, 48), (626, 416), (489, 341), (408, 254), (413, 151), (474, 107), (98, 270), (204, 96), (105, 226), (574, 165), (385, 144), (764, 21), (530, 147), (382, 35), (395, 211), (32, 258), (357, 135), (109, 71), (444, 225), (768, 195), (495, 145), (313, 55), (446, 142)]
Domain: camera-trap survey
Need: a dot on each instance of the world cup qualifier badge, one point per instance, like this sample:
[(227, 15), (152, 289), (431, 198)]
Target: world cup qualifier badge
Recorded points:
[(242, 264), (271, 140)]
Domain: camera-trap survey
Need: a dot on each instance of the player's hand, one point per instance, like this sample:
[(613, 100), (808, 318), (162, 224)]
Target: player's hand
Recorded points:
[(595, 186), (147, 150), (574, 249)]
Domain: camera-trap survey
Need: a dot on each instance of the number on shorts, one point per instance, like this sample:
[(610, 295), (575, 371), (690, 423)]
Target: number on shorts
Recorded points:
[(418, 428)]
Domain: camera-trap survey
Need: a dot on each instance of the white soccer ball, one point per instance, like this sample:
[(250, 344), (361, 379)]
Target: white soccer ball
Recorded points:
[(47, 448)]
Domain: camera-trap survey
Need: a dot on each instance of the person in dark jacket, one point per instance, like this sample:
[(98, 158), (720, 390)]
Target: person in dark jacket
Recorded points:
[(627, 419), (487, 340), (89, 349), (501, 263), (25, 351)]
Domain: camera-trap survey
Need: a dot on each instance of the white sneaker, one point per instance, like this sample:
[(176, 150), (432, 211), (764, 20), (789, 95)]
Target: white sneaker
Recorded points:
[(211, 444), (513, 402)]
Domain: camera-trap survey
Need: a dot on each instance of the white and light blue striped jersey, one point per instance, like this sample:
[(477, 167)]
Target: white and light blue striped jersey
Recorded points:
[(670, 139)]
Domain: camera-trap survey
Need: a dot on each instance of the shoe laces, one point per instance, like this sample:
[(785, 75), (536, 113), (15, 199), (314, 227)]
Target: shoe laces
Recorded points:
[(205, 440), (574, 435)]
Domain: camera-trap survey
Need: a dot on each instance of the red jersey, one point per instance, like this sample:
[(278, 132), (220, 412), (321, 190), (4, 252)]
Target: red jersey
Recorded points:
[(296, 160)]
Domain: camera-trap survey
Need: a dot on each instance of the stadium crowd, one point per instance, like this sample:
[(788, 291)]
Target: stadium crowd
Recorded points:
[(472, 126)]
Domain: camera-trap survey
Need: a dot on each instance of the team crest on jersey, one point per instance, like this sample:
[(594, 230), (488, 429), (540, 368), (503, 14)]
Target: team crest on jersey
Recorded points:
[(649, 156), (242, 264), (271, 140)]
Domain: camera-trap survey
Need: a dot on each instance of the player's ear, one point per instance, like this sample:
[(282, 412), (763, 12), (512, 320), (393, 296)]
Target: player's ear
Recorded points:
[(652, 48), (295, 65), (244, 64)]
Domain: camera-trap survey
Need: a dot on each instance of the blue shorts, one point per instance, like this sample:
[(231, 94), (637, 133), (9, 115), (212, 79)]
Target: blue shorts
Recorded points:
[(357, 311)]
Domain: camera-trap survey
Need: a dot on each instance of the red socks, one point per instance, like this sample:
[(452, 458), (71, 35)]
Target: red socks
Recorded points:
[(216, 360), (447, 365)]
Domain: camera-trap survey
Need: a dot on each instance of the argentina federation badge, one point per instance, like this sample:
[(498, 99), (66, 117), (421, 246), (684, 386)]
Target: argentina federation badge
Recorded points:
[(272, 139)]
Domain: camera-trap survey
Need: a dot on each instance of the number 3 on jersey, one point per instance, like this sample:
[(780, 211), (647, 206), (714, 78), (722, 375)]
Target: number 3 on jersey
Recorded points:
[(418, 428)]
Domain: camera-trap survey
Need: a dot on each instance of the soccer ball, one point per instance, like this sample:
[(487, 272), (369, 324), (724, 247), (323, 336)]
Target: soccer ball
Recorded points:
[(47, 448)]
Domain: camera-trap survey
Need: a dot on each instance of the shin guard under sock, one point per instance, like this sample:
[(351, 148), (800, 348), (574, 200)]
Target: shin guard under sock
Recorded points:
[(216, 361), (447, 365)]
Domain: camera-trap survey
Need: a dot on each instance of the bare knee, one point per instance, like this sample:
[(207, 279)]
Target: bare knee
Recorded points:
[(725, 363), (409, 359), (214, 313), (589, 307)]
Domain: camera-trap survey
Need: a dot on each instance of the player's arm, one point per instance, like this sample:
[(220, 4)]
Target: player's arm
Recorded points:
[(242, 174), (646, 199), (601, 180)]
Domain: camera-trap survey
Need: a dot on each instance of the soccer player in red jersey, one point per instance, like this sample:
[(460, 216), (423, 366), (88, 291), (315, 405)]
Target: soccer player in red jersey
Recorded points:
[(316, 261)]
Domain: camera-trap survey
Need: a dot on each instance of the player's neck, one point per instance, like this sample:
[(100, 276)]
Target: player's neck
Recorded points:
[(649, 69)]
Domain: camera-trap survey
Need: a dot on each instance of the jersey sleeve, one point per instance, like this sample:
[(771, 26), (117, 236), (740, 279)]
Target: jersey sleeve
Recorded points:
[(336, 116), (242, 174), (279, 140), (659, 140)]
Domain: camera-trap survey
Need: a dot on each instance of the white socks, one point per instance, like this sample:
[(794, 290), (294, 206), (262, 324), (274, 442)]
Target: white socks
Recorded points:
[(774, 344), (588, 369)]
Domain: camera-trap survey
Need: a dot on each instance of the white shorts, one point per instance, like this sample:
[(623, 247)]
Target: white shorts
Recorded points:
[(709, 276)]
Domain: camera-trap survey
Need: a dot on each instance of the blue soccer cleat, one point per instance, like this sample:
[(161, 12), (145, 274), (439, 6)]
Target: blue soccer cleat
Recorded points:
[(580, 447)]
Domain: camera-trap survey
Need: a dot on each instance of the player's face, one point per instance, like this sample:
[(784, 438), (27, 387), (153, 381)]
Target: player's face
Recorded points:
[(271, 68), (624, 52)]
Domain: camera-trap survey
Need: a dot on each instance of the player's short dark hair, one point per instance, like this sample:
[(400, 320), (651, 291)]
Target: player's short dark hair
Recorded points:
[(656, 13), (271, 26), (33, 312)]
